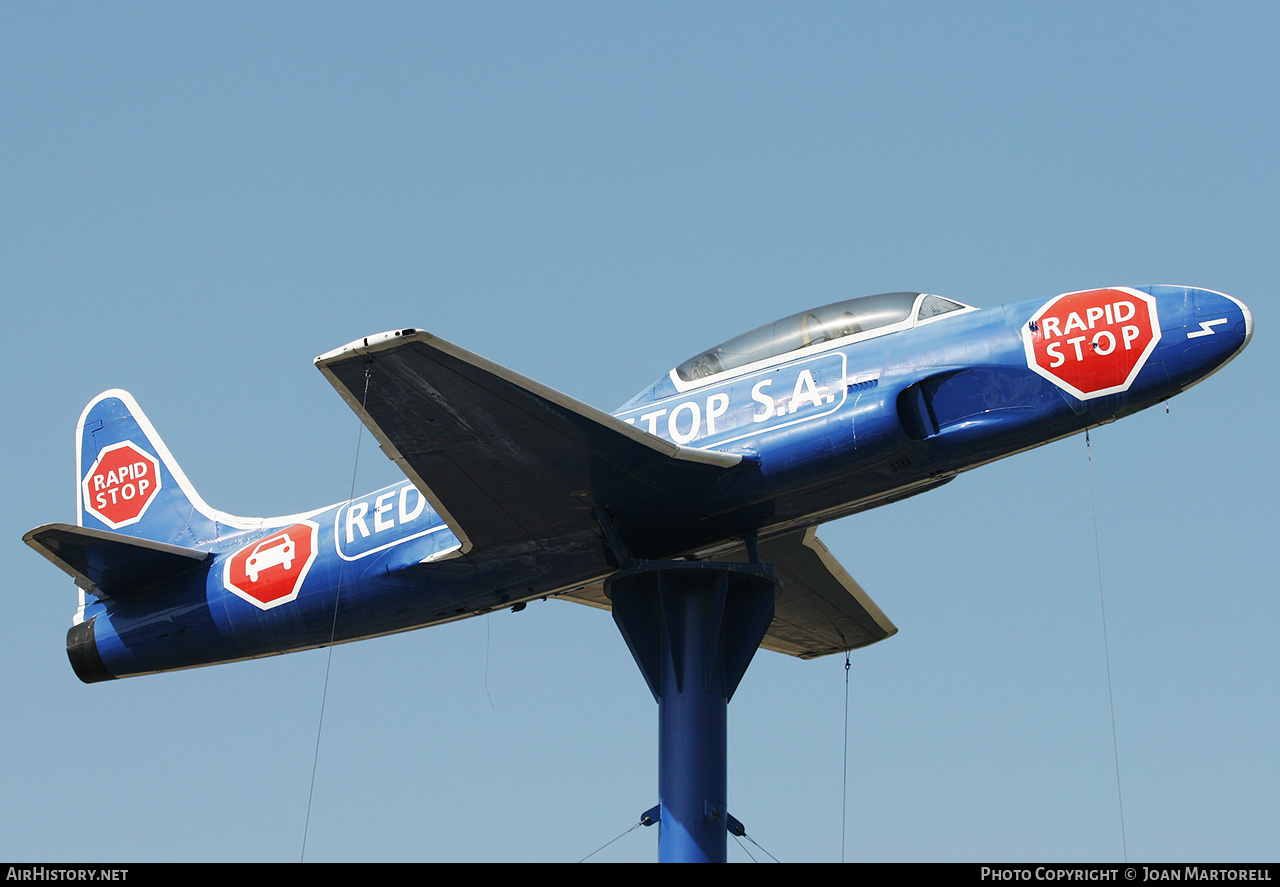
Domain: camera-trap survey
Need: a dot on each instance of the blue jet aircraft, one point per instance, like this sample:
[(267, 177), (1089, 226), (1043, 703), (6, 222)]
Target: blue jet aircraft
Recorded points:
[(515, 491)]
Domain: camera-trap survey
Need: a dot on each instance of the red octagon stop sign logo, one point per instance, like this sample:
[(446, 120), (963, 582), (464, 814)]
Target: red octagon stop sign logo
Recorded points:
[(269, 572), (121, 485), (1094, 342)]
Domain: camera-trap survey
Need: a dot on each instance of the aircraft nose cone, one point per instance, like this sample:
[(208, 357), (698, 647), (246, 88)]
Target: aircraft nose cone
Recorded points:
[(1224, 315), (1216, 327)]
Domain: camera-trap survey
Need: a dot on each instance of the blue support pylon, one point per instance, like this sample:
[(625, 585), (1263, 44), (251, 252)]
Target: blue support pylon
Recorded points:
[(692, 628)]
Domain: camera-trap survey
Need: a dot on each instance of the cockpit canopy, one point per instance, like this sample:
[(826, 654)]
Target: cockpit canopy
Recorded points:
[(813, 327), (865, 317)]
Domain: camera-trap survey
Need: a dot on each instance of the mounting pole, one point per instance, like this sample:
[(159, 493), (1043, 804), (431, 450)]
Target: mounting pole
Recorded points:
[(692, 628)]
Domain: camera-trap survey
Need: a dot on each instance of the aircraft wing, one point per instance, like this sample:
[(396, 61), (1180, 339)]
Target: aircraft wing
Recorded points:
[(510, 464), (110, 564), (820, 609)]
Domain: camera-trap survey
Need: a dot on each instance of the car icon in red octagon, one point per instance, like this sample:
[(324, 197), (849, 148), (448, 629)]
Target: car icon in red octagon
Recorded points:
[(274, 551)]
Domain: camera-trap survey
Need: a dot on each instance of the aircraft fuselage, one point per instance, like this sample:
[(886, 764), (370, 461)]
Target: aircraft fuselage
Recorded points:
[(842, 423)]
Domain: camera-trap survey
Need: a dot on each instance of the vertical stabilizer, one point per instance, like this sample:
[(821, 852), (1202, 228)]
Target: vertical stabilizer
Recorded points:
[(128, 482)]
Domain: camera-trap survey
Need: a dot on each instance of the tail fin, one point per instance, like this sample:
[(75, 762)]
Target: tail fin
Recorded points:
[(128, 482)]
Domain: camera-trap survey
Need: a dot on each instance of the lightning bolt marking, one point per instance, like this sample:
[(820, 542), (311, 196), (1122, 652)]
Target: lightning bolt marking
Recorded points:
[(1205, 328)]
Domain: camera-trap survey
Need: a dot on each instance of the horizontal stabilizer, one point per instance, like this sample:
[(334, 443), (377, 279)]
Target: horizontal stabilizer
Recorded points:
[(509, 463), (820, 609), (109, 564)]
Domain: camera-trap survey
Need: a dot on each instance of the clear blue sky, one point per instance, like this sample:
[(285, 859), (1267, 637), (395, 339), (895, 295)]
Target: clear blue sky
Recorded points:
[(198, 198)]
